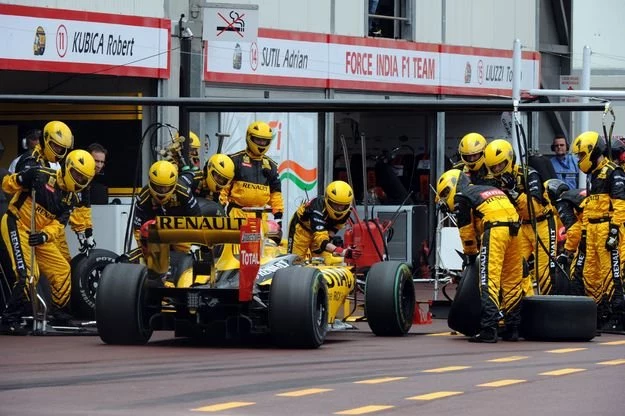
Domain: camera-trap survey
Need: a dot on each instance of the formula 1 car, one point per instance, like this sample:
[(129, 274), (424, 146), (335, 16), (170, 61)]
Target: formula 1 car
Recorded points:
[(248, 290)]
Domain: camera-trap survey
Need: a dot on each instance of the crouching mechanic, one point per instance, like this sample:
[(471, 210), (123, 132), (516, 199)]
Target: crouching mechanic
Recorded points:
[(164, 195), (256, 182), (485, 215), (316, 222), (569, 204), (499, 159), (603, 222), (55, 196)]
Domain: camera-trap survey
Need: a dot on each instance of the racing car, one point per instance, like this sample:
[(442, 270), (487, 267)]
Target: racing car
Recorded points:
[(250, 289)]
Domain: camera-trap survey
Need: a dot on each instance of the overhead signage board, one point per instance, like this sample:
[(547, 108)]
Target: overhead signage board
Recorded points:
[(56, 40), (287, 58)]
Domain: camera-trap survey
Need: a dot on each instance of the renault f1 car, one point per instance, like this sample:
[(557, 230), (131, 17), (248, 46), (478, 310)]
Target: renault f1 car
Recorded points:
[(250, 289)]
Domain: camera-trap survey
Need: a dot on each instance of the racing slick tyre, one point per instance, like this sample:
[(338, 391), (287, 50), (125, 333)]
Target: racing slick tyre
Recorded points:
[(121, 305), (464, 312), (298, 308), (389, 298), (558, 318), (86, 272)]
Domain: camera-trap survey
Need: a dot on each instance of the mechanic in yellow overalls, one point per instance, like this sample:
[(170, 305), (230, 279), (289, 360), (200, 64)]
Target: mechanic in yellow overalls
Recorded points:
[(256, 182), (55, 196), (316, 222), (56, 141), (499, 159), (488, 225), (603, 221)]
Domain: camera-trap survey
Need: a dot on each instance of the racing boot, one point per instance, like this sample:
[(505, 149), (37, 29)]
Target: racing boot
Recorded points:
[(486, 335), (510, 333), (614, 323)]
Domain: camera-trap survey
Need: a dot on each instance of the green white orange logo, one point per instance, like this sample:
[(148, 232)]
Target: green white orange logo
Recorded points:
[(305, 179)]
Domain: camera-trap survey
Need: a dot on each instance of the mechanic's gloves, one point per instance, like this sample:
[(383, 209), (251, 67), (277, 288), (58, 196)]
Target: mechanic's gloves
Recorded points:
[(348, 253), (508, 183), (468, 260), (612, 241), (38, 238), (30, 177), (85, 240)]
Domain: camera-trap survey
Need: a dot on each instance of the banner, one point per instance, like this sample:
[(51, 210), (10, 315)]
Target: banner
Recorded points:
[(55, 40), (290, 149), (329, 61)]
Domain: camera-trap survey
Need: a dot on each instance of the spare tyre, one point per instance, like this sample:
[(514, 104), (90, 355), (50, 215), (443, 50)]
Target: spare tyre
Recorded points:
[(558, 318), (465, 310), (86, 272)]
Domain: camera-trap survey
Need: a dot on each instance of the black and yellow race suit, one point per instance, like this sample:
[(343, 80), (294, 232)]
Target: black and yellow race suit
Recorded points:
[(311, 229), (52, 210), (570, 209), (181, 203), (80, 219), (478, 177), (604, 208), (488, 225), (194, 179), (255, 184), (545, 229)]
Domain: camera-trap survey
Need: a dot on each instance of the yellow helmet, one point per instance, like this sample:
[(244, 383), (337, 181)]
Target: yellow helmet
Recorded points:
[(447, 186), (338, 199), (588, 147), (163, 178), (499, 157), (258, 138), (471, 149), (57, 141), (194, 149), (77, 171), (218, 171)]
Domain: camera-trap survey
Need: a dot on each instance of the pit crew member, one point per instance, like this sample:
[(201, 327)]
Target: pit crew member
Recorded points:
[(604, 216), (55, 196), (316, 222), (499, 159), (485, 214)]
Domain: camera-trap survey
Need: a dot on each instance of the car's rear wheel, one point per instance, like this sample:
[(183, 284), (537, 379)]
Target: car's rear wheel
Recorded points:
[(389, 298), (121, 305), (298, 309), (86, 273)]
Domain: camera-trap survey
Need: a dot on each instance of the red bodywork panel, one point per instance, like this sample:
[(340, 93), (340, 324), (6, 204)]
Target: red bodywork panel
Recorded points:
[(249, 257)]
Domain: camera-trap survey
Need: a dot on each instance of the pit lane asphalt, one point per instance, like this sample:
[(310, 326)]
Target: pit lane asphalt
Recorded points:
[(427, 372)]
